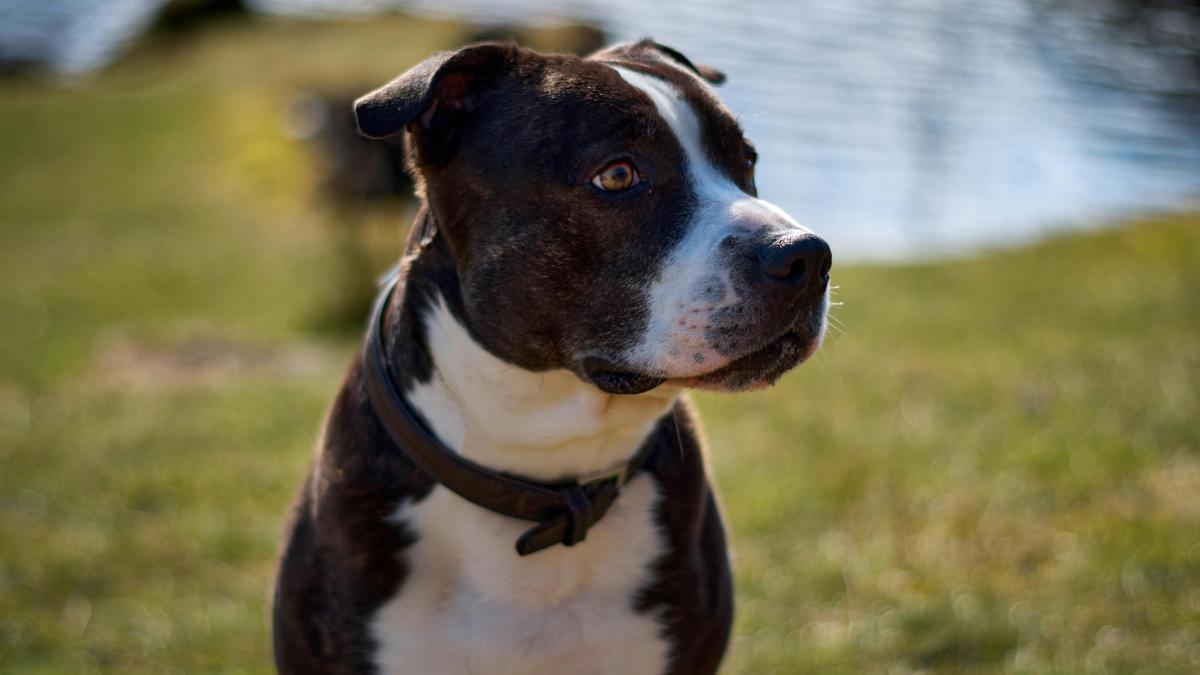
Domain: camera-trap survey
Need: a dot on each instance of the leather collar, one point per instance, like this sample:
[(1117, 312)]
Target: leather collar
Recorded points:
[(563, 511)]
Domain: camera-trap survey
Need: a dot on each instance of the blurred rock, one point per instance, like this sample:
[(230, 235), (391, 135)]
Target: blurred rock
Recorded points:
[(353, 171)]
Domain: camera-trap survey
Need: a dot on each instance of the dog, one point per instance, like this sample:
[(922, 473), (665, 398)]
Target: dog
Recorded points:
[(511, 479)]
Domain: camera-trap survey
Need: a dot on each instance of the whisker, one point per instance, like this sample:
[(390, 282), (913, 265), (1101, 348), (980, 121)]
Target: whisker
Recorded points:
[(835, 323), (678, 437)]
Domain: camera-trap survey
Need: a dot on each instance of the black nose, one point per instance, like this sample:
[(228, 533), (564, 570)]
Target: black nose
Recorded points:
[(802, 262)]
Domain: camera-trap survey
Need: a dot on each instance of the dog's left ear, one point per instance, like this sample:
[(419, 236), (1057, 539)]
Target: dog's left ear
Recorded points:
[(434, 96), (648, 46), (707, 73)]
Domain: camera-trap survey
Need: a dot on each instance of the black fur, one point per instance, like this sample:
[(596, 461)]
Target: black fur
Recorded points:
[(503, 142)]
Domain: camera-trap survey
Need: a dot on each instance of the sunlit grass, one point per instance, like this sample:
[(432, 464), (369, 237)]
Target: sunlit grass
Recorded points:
[(993, 466)]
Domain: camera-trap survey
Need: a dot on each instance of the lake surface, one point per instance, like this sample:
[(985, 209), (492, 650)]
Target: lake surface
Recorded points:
[(910, 128)]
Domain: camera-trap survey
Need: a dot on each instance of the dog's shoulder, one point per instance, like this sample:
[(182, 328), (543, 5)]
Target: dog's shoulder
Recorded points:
[(691, 587), (338, 565)]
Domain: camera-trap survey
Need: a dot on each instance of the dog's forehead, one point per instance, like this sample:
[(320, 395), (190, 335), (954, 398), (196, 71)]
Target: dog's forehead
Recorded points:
[(721, 135), (571, 80), (597, 79)]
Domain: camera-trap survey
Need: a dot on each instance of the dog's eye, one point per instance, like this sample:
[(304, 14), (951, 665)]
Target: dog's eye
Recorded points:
[(618, 176), (751, 156)]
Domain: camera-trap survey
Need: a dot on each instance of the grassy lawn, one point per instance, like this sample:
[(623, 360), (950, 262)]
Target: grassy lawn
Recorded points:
[(993, 466)]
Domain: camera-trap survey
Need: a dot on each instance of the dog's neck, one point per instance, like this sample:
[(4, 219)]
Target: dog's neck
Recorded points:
[(546, 426)]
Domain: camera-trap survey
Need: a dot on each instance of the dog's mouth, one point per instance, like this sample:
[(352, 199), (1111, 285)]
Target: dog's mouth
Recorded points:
[(756, 370), (612, 380), (760, 368)]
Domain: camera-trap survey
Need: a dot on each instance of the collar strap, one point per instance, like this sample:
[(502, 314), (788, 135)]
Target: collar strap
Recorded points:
[(563, 511)]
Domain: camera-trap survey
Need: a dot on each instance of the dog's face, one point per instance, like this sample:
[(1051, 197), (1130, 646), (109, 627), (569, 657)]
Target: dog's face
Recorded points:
[(603, 218)]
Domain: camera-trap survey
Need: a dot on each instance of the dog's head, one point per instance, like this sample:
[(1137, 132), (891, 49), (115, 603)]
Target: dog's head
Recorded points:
[(602, 216)]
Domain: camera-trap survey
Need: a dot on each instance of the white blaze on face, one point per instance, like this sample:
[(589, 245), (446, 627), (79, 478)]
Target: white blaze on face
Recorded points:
[(694, 281)]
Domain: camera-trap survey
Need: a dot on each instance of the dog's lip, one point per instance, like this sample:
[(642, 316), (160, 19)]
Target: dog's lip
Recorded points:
[(612, 379), (765, 364), (756, 369), (760, 367)]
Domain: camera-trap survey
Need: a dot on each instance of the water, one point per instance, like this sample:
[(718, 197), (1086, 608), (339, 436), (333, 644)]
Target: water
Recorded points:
[(70, 36), (903, 129)]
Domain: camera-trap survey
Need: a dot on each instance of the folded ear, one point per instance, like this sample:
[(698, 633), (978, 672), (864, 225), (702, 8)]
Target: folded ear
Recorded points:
[(648, 47), (707, 73), (436, 94)]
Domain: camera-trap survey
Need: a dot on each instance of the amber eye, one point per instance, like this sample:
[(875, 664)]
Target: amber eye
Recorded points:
[(616, 177)]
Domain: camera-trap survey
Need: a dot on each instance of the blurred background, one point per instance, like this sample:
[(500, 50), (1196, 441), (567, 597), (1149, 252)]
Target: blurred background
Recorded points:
[(993, 465)]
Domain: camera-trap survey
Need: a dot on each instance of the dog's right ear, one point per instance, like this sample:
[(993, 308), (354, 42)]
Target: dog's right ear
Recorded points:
[(435, 96)]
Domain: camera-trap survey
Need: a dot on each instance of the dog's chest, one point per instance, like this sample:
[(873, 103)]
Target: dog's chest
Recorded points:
[(470, 604)]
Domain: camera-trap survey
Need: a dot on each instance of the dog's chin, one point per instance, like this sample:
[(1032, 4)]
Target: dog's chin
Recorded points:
[(756, 370), (759, 369)]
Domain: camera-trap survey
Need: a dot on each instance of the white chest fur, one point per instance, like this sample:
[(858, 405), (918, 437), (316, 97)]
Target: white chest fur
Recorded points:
[(470, 604)]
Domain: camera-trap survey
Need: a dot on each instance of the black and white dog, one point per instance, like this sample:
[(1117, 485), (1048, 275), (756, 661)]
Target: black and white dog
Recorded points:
[(591, 244)]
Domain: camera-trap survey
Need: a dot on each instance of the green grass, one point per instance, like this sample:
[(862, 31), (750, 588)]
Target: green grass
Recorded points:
[(994, 466)]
